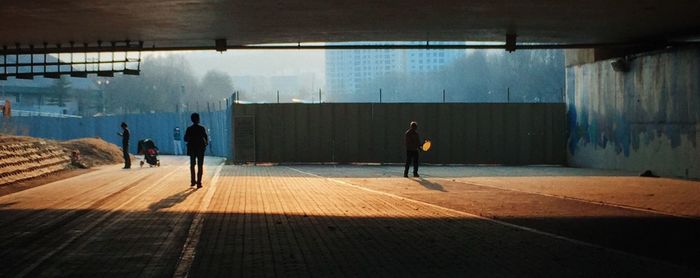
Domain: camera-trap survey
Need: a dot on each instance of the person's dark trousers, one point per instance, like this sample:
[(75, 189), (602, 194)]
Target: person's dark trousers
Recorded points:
[(199, 159), (411, 156), (127, 158)]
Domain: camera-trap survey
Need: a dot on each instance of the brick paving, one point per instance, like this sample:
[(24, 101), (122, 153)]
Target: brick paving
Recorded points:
[(304, 221), (577, 203)]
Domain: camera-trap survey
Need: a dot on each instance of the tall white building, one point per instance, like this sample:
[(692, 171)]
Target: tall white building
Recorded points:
[(429, 60), (347, 70)]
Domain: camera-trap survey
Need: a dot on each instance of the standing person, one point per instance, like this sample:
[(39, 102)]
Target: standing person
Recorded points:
[(412, 142), (177, 141), (125, 134), (197, 141)]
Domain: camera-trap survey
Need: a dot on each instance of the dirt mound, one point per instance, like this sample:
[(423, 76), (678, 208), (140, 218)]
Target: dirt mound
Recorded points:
[(17, 139), (23, 158), (94, 152), (26, 162)]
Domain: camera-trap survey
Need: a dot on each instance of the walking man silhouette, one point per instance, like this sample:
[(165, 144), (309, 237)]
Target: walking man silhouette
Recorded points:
[(197, 141)]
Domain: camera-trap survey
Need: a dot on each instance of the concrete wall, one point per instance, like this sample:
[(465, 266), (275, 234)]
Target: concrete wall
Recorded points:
[(513, 134), (644, 119), (157, 126), (579, 56)]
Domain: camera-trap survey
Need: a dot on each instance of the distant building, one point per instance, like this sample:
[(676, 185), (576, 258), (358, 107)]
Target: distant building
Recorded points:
[(429, 60), (347, 70), (50, 97), (41, 95)]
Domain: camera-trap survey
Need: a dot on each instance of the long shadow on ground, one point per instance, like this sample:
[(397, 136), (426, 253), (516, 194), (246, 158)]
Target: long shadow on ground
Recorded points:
[(132, 243)]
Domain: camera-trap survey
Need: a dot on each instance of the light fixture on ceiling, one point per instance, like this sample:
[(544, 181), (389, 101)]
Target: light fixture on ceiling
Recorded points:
[(510, 42), (620, 65), (220, 45)]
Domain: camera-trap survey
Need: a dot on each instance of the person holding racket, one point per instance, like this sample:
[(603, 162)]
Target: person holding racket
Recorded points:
[(412, 142)]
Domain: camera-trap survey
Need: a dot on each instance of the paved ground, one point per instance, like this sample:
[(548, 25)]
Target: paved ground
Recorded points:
[(352, 221)]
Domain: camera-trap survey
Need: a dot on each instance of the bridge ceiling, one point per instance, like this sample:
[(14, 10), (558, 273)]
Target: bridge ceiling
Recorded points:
[(197, 23)]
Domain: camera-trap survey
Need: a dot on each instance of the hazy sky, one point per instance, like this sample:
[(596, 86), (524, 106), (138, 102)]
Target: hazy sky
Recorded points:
[(260, 62), (256, 62)]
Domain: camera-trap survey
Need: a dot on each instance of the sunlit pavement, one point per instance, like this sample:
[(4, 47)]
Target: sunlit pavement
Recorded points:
[(334, 221)]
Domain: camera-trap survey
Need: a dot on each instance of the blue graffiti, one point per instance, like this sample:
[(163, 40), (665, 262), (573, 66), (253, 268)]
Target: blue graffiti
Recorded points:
[(622, 136), (630, 111), (572, 126)]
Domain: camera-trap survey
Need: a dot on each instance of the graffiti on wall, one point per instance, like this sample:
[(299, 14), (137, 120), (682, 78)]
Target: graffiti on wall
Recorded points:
[(658, 98)]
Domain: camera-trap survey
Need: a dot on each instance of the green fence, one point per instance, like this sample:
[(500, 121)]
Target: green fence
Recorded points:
[(464, 133)]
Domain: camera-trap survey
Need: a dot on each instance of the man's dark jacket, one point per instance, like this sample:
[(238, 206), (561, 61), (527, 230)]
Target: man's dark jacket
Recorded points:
[(125, 136), (412, 140), (196, 138)]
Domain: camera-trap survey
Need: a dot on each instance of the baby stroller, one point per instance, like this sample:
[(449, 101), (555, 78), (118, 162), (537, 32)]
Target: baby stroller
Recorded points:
[(149, 151)]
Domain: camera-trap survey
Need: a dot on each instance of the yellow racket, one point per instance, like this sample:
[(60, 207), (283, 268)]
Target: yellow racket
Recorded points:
[(426, 145)]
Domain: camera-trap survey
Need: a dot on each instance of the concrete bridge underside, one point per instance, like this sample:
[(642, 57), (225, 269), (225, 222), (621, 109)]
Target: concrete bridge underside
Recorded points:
[(197, 23)]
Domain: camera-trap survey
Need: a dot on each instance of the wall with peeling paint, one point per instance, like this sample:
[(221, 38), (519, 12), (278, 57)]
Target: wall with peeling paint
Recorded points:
[(643, 119)]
